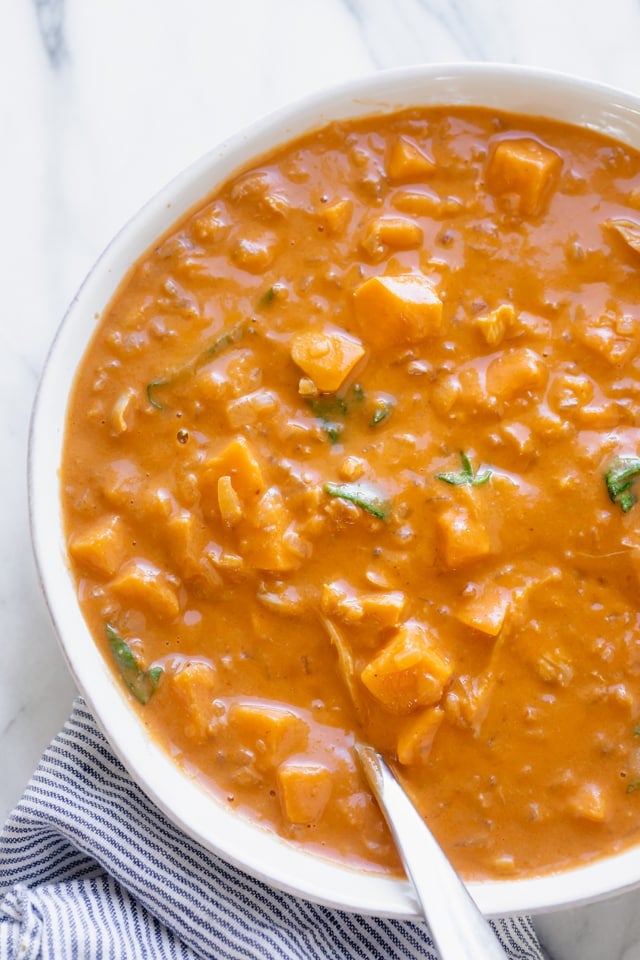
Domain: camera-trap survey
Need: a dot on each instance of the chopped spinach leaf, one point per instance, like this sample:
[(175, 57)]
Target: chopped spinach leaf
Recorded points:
[(619, 478), (466, 475), (267, 297), (382, 409), (333, 408), (364, 495), (142, 683), (192, 366)]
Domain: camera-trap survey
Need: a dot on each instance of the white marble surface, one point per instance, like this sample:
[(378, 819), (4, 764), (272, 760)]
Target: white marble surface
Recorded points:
[(100, 104)]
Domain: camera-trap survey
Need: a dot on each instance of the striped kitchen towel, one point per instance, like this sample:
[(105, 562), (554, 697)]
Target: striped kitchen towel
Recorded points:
[(89, 868)]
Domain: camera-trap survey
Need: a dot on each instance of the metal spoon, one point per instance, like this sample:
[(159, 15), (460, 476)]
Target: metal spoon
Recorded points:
[(458, 928)]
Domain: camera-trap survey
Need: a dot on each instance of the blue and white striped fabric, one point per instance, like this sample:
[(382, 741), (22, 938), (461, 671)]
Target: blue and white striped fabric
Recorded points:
[(89, 868)]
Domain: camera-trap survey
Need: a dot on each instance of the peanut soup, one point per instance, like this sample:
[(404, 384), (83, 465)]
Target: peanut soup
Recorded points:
[(352, 454)]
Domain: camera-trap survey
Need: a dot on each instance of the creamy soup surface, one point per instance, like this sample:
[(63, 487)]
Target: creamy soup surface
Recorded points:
[(352, 454)]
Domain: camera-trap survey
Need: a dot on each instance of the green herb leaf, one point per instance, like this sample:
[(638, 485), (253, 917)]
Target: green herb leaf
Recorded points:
[(632, 787), (332, 409), (382, 409), (267, 297), (192, 366), (142, 683), (466, 475), (364, 495), (619, 478)]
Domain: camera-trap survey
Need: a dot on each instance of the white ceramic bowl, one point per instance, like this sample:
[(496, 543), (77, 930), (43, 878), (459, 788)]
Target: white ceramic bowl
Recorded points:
[(261, 853)]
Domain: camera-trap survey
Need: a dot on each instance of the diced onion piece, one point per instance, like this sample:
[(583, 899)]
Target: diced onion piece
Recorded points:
[(417, 736), (229, 502)]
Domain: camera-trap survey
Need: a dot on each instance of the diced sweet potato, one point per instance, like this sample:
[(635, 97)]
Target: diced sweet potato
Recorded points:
[(255, 253), (397, 310), (495, 324), (384, 608), (144, 584), (238, 462), (304, 790), (101, 547), (589, 802), (335, 216), (390, 233), (417, 736), (268, 540), (525, 169), (196, 682), (327, 358), (463, 537), (121, 481), (271, 730), (407, 162), (614, 338), (409, 672), (515, 372), (487, 611), (155, 503), (186, 538)]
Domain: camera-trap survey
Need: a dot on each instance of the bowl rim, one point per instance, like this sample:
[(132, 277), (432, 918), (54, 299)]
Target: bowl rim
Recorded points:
[(245, 844)]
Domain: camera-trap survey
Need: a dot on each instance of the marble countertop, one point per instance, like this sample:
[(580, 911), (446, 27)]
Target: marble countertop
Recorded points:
[(103, 102)]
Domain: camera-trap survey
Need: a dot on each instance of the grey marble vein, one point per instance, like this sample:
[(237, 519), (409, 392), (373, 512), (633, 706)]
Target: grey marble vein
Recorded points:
[(433, 30), (50, 15)]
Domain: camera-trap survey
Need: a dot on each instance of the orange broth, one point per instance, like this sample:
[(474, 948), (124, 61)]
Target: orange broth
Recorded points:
[(352, 453)]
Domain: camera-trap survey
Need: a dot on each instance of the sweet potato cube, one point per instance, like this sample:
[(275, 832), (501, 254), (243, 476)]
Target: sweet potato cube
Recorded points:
[(101, 547), (409, 672), (385, 608), (186, 539), (327, 358), (495, 324), (304, 790), (268, 540), (589, 802), (271, 730), (486, 612), (335, 216), (142, 583), (397, 310), (407, 162), (417, 736), (515, 372), (463, 537), (195, 684), (525, 169), (390, 233), (238, 462)]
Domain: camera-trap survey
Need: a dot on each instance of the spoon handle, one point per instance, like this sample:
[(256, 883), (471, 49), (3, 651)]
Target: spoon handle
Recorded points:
[(458, 928)]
